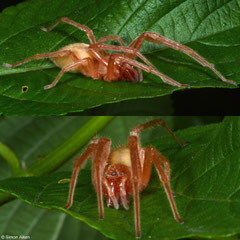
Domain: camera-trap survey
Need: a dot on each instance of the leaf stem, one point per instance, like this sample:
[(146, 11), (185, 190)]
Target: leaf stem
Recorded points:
[(12, 160), (60, 154)]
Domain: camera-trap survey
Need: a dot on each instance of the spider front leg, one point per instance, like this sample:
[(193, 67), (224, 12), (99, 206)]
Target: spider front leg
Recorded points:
[(157, 38), (98, 150)]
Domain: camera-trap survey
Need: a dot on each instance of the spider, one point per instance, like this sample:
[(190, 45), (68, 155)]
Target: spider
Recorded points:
[(94, 61), (125, 170)]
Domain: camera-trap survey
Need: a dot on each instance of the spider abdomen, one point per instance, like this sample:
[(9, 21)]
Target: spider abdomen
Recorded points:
[(120, 155), (80, 51)]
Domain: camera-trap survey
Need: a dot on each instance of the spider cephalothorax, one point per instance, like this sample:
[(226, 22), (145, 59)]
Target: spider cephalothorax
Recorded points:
[(124, 171), (117, 185), (94, 60)]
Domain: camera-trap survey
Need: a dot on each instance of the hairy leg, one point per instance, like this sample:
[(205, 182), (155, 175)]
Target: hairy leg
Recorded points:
[(136, 174), (100, 160), (69, 67), (139, 128), (157, 38), (166, 79), (44, 55), (98, 150), (77, 166), (164, 177), (84, 28)]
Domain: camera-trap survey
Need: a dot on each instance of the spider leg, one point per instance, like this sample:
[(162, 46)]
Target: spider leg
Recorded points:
[(141, 164), (158, 160), (133, 62), (69, 67), (84, 28), (136, 174), (157, 38), (99, 163), (77, 166), (44, 55), (166, 79), (147, 167), (98, 150), (158, 121)]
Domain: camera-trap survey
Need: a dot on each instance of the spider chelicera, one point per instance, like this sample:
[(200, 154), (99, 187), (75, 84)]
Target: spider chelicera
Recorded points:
[(94, 61), (125, 170)]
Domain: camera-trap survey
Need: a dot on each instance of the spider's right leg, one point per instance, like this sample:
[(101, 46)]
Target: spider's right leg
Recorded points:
[(98, 150), (100, 160), (84, 28), (89, 152), (44, 55)]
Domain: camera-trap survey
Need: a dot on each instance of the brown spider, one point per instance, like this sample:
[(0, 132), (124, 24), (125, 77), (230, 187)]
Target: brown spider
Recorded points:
[(125, 170), (93, 60)]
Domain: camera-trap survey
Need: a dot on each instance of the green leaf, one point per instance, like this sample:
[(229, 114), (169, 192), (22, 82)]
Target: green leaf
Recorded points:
[(209, 27), (18, 218), (31, 138), (204, 178), (12, 160)]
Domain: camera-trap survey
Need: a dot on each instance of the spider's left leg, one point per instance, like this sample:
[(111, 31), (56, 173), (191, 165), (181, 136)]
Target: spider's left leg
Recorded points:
[(78, 162), (164, 176), (157, 38)]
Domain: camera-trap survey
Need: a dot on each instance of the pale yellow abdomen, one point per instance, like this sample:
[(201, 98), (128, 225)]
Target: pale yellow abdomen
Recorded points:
[(81, 51), (120, 155)]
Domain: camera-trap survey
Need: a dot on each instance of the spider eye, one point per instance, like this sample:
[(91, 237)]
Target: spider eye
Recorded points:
[(114, 173)]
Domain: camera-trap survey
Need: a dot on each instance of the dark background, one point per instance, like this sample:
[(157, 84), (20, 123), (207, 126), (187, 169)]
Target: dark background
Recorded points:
[(204, 101)]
